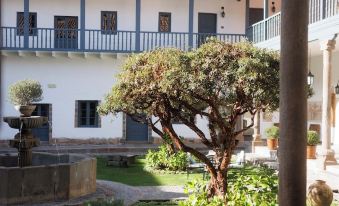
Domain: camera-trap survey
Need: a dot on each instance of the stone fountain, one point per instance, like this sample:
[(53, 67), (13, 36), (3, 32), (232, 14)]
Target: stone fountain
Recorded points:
[(32, 177), (24, 140)]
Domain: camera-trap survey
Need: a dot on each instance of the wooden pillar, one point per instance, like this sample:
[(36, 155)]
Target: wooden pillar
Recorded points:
[(82, 23), (26, 23), (293, 103), (137, 24), (190, 23)]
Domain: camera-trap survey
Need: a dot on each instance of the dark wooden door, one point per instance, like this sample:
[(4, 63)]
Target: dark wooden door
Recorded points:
[(66, 32), (255, 15), (207, 26), (43, 132), (136, 131)]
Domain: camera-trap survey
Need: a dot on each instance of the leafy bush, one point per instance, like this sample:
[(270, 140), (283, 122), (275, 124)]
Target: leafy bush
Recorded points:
[(25, 92), (163, 160), (259, 188), (198, 195), (272, 132), (313, 138)]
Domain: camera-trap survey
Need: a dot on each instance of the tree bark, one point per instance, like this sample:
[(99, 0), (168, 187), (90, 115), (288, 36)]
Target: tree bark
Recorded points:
[(218, 186)]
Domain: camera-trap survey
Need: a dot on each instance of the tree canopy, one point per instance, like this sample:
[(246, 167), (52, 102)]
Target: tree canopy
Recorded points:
[(218, 81)]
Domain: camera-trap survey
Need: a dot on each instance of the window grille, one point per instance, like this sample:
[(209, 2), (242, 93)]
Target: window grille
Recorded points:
[(164, 22), (21, 23), (109, 22)]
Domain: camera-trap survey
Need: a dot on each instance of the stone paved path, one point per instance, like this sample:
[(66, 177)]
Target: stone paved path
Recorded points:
[(129, 194)]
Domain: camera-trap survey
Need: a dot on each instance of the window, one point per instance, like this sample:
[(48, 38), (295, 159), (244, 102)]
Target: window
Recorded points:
[(164, 22), (87, 114), (109, 22), (32, 23)]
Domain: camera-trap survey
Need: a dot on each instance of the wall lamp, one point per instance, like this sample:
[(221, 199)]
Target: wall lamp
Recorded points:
[(222, 12), (337, 88), (310, 78)]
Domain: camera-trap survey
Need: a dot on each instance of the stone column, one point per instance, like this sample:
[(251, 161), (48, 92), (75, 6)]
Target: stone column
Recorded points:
[(326, 155), (257, 141), (293, 102)]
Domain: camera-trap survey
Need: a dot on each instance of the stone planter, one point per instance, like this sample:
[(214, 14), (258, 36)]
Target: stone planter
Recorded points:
[(311, 150), (25, 110), (272, 144), (319, 194)]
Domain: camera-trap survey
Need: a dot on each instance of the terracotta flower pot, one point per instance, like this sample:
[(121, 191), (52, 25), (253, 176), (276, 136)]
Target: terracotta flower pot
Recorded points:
[(311, 149), (319, 194), (272, 144), (25, 110)]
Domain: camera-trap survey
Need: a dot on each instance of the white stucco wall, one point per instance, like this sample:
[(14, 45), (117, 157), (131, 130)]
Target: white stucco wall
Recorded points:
[(8, 15), (75, 79), (125, 11)]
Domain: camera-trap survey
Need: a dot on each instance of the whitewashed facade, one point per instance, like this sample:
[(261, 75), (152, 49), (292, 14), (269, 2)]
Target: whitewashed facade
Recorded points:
[(84, 68)]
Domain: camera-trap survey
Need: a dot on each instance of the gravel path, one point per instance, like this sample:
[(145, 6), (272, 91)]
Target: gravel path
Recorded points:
[(131, 194)]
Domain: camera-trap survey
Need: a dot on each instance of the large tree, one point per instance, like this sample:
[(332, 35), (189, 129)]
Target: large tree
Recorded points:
[(219, 82)]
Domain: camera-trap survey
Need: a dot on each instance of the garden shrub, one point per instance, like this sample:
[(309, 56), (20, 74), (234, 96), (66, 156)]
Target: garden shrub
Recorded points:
[(162, 159), (259, 188)]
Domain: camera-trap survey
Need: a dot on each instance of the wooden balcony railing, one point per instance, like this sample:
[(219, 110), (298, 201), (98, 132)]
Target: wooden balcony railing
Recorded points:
[(270, 27), (47, 39)]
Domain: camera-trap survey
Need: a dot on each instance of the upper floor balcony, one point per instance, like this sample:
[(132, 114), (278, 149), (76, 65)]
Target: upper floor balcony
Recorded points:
[(116, 26), (87, 40), (320, 12)]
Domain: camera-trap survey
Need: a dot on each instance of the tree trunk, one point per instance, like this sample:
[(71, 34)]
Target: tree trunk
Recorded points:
[(218, 186)]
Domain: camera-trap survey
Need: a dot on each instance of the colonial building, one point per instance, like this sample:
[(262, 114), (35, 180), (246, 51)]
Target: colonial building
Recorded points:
[(75, 47), (323, 76)]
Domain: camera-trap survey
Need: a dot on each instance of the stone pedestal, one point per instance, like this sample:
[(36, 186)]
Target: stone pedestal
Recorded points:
[(257, 141), (326, 155)]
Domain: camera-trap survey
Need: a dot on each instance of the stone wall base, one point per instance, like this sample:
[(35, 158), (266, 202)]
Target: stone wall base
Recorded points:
[(95, 141)]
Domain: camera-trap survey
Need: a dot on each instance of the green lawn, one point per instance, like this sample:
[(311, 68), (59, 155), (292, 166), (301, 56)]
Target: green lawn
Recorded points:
[(135, 175)]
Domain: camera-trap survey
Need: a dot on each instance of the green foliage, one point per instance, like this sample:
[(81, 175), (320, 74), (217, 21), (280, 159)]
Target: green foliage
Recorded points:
[(163, 160), (259, 188), (198, 195), (272, 132), (104, 202), (313, 138), (232, 74), (25, 92)]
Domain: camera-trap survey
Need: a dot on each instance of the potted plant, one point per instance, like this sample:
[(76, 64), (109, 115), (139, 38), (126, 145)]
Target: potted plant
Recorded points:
[(313, 139), (23, 93), (272, 134)]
